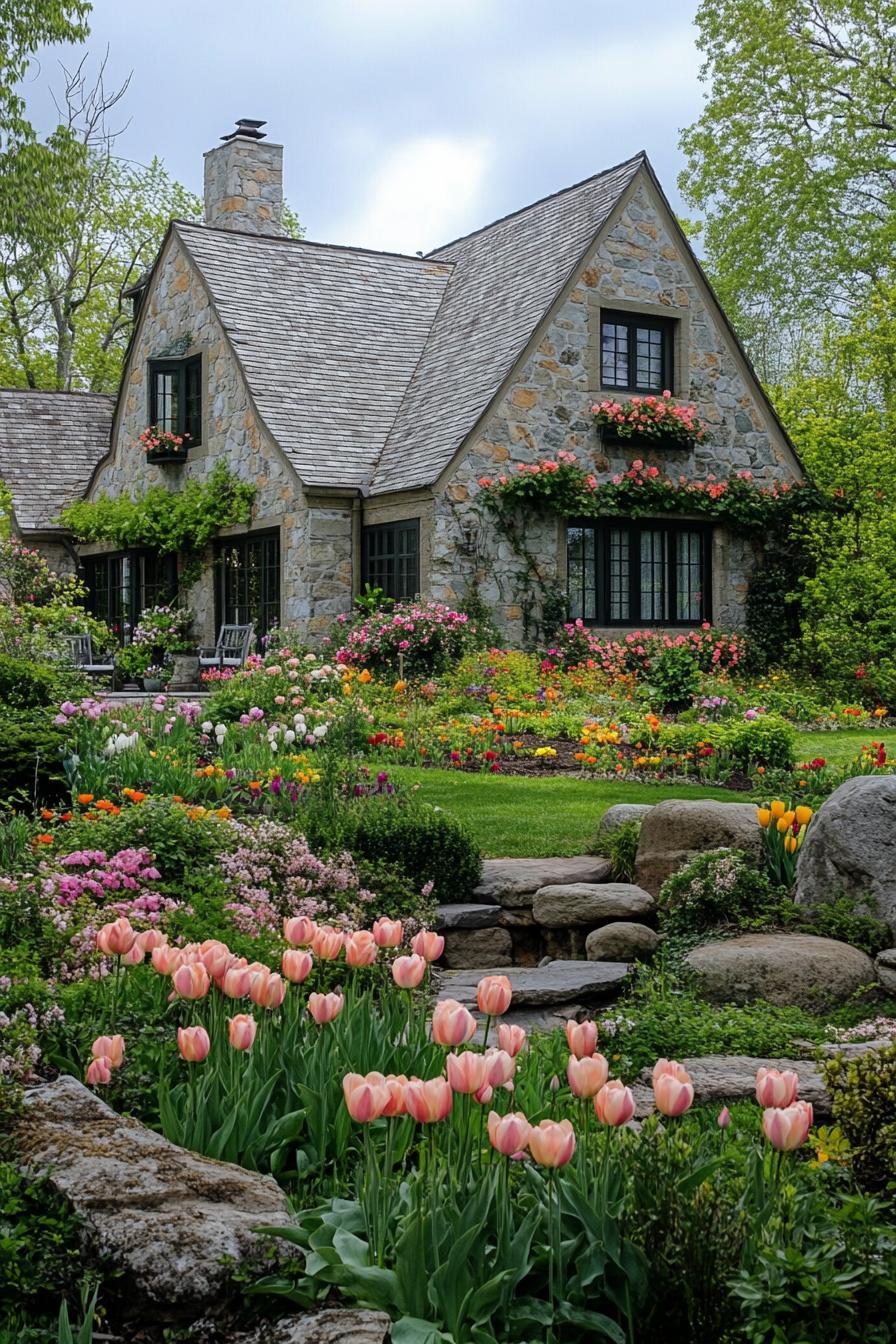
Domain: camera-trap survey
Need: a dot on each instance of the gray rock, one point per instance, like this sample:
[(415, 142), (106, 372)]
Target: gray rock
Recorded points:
[(620, 813), (850, 848), (885, 965), (587, 903), (334, 1325), (782, 968), (164, 1216), (513, 882), (539, 986), (467, 917), (720, 1078), (477, 947), (621, 941), (673, 832)]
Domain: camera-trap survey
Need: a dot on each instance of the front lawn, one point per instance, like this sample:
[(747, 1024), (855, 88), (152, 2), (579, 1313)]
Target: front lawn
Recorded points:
[(843, 745)]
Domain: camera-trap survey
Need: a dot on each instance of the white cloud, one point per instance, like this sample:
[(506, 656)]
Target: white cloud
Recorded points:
[(423, 193)]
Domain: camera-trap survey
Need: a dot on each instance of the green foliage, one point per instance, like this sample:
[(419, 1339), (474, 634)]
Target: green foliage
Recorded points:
[(841, 920), (620, 846), (766, 740), (31, 759), (673, 679), (772, 611), (863, 1095), (25, 685), (719, 889), (182, 850), (40, 1254)]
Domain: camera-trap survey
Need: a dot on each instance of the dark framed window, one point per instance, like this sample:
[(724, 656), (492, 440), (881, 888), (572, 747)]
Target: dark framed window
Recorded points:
[(248, 582), (175, 396), (390, 557), (639, 573), (636, 352), (120, 586)]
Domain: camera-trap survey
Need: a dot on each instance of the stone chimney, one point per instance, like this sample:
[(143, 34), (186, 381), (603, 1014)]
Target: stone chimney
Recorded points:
[(244, 182)]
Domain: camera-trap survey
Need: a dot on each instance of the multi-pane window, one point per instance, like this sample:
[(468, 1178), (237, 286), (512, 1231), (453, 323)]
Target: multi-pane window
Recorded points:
[(175, 397), (636, 352), (391, 558), (120, 586), (638, 573), (248, 589)]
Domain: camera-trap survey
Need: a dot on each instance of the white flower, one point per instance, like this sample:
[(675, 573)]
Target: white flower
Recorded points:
[(220, 730), (289, 737), (207, 726), (320, 731), (273, 745)]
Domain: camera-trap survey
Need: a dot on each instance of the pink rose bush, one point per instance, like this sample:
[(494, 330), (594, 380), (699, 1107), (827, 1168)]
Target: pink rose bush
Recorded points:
[(427, 636)]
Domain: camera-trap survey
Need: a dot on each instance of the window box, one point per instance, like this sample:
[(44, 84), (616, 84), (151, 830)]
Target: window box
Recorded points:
[(165, 455), (642, 443)]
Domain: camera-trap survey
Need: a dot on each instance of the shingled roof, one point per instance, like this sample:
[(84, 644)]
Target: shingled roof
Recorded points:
[(50, 443), (370, 368)]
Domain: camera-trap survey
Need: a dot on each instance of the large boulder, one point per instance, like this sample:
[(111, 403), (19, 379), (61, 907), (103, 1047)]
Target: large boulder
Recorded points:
[(850, 848), (783, 968), (332, 1325), (165, 1217), (621, 941), (885, 965), (589, 903), (620, 813), (674, 832)]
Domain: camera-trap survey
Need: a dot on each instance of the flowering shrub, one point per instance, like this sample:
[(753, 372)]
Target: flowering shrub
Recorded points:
[(656, 418), (165, 628), (719, 889), (424, 637), (576, 643)]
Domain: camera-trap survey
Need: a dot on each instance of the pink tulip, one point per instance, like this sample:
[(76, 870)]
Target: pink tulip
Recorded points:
[(191, 980), (672, 1069), (150, 939), (215, 957), (428, 1100), (193, 1043), (267, 989), (360, 948), (299, 930), (581, 1037), (166, 958), (407, 972), (500, 1067), (296, 966), (452, 1023), (134, 955), (325, 1007), (327, 943), (467, 1072), (428, 945), (484, 1093), (552, 1143), (586, 1076), (774, 1088), (99, 1070), (110, 1048), (786, 1127), (241, 1031), (397, 1085), (236, 982), (724, 1119), (493, 995), (614, 1103), (511, 1038), (387, 932), (508, 1134), (116, 938), (366, 1096), (671, 1095)]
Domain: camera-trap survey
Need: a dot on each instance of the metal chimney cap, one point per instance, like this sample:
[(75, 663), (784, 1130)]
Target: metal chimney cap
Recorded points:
[(248, 128)]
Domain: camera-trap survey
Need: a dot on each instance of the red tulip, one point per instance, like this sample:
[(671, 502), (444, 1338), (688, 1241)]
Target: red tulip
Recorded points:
[(193, 1043), (387, 932), (493, 995), (774, 1088), (327, 943), (614, 1103), (360, 948), (467, 1072), (587, 1076), (508, 1134), (581, 1037), (511, 1038), (407, 972), (672, 1096), (296, 965), (366, 1096), (428, 945), (324, 1007), (786, 1127), (116, 938), (428, 1100), (552, 1143), (99, 1071), (241, 1031), (191, 980), (299, 930), (452, 1023), (110, 1048)]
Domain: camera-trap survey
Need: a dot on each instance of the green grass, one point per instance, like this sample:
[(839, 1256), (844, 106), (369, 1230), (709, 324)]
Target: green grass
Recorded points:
[(842, 745)]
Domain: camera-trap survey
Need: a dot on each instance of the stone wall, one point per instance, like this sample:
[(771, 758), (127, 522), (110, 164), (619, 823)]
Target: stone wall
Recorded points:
[(639, 264)]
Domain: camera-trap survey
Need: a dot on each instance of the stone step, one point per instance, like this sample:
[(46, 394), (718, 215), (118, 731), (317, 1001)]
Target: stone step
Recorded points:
[(724, 1078), (542, 986), (563, 905), (513, 882), (467, 916)]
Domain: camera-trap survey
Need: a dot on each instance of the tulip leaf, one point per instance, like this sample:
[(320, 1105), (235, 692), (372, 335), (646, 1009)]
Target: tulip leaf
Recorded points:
[(351, 1249), (413, 1330), (591, 1320)]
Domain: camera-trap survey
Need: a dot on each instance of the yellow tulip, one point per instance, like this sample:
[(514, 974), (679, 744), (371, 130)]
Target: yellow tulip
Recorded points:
[(803, 815), (778, 808), (783, 824), (763, 816), (790, 844)]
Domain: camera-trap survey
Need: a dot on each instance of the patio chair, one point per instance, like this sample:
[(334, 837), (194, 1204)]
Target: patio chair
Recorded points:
[(231, 648), (80, 653)]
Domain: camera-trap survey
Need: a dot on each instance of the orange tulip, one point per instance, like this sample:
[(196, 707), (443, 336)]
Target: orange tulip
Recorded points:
[(241, 1031), (786, 1127), (267, 989), (587, 1076), (327, 943), (191, 980), (428, 945), (325, 1007), (99, 1071), (428, 1100), (407, 972), (672, 1096), (387, 932), (150, 939), (193, 1043), (493, 995), (672, 1068), (467, 1072), (803, 815), (296, 965), (552, 1143), (110, 1048), (299, 930), (763, 816), (614, 1103), (116, 938), (511, 1038), (366, 1096), (581, 1037), (452, 1023), (360, 948), (774, 1088), (508, 1134)]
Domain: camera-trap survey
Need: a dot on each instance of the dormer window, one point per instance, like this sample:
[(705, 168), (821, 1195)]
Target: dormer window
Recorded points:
[(175, 397), (636, 352)]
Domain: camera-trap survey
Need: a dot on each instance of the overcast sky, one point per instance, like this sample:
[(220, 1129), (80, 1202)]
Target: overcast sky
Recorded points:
[(405, 122)]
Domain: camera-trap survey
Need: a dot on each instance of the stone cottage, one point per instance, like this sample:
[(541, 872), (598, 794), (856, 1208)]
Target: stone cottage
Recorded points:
[(366, 393)]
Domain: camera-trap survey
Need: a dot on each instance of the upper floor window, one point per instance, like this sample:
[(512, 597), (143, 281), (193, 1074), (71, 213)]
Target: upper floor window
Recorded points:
[(175, 397), (635, 352), (391, 557)]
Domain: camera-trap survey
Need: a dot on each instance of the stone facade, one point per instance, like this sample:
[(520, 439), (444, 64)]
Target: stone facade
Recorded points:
[(244, 186), (639, 264)]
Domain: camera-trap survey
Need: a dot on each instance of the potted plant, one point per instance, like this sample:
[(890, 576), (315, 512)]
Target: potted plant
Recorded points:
[(161, 445), (131, 663), (156, 676)]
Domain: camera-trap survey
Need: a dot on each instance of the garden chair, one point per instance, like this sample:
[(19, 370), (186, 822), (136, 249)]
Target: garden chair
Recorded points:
[(231, 648), (80, 653)]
